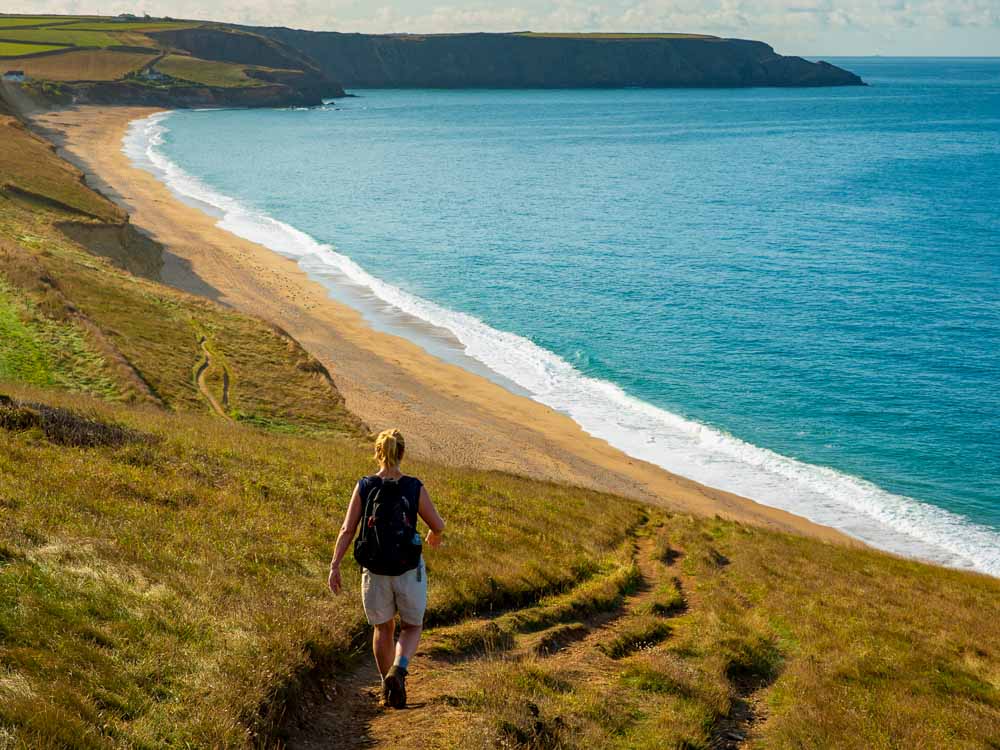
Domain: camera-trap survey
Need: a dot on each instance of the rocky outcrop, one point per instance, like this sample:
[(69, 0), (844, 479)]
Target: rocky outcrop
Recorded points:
[(520, 61)]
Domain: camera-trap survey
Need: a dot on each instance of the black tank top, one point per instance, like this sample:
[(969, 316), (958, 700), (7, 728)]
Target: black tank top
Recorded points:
[(409, 487)]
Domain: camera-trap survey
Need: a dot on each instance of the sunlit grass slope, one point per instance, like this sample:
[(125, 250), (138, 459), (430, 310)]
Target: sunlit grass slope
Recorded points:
[(168, 589), (171, 591)]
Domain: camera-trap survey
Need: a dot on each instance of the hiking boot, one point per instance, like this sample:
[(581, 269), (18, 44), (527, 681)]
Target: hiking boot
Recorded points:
[(384, 697), (395, 687)]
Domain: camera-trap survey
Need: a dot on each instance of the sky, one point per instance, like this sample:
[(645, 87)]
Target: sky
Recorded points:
[(810, 28)]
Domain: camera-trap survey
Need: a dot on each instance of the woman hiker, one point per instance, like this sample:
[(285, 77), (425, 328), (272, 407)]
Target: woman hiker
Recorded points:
[(388, 549)]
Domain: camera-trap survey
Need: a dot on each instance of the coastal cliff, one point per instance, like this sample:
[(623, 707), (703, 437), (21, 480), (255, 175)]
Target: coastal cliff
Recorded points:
[(278, 64), (554, 61)]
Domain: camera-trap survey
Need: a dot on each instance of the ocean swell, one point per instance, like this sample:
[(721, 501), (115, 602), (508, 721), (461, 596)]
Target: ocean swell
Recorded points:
[(705, 454)]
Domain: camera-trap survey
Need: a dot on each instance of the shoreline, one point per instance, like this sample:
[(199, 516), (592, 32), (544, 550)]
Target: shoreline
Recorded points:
[(449, 413)]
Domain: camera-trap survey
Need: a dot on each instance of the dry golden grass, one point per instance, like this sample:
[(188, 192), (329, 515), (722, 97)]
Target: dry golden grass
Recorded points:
[(85, 65), (172, 592), (789, 643)]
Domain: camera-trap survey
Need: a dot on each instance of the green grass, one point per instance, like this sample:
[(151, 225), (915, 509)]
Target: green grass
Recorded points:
[(62, 35), (41, 351), (206, 72), (18, 49), (21, 356), (14, 21)]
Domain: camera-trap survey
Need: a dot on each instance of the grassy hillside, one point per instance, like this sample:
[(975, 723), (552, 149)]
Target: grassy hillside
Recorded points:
[(167, 589), (153, 343)]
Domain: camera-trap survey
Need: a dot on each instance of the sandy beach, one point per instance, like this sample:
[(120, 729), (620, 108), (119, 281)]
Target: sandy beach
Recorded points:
[(447, 413)]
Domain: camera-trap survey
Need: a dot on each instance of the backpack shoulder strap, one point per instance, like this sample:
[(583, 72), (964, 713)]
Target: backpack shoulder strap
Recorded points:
[(366, 490), (412, 486)]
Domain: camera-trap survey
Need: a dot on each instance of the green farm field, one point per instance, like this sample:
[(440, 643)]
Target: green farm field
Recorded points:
[(18, 49), (206, 72), (75, 37), (15, 21)]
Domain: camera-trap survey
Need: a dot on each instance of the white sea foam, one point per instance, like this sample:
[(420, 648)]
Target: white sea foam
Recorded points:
[(858, 507)]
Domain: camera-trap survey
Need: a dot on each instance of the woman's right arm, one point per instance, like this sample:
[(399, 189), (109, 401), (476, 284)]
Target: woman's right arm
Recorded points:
[(347, 530), (431, 517)]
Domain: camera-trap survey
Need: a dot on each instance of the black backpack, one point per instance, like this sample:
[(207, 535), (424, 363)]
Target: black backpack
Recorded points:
[(388, 543)]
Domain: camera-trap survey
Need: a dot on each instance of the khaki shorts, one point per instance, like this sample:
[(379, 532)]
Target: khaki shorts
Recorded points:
[(383, 596)]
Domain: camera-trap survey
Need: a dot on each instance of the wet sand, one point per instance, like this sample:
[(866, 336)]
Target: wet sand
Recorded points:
[(448, 414)]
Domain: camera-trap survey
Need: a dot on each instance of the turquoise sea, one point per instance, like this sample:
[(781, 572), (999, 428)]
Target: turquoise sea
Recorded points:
[(793, 294)]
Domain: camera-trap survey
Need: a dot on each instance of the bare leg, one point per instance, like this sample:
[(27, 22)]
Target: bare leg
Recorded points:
[(409, 639), (382, 645)]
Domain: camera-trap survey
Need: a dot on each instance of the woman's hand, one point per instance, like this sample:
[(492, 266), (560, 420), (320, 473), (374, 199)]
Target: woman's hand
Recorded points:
[(334, 580), (434, 539)]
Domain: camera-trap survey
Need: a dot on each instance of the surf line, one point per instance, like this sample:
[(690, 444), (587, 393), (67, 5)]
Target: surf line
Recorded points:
[(603, 409)]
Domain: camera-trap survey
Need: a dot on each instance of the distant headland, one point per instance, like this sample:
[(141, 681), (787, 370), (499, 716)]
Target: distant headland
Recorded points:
[(535, 60), (59, 60)]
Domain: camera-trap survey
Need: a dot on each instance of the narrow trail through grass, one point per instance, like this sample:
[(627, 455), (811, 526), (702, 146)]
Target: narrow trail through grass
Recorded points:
[(200, 379), (617, 613)]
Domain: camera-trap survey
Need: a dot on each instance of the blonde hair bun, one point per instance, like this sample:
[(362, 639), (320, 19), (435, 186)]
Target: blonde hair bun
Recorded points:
[(389, 447)]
